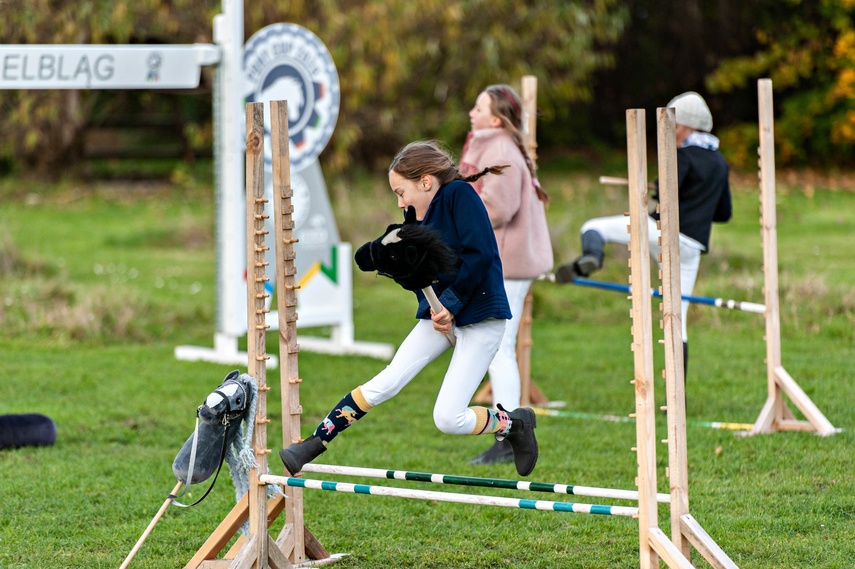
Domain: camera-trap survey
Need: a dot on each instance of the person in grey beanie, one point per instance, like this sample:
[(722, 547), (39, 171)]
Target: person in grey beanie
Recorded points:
[(703, 192)]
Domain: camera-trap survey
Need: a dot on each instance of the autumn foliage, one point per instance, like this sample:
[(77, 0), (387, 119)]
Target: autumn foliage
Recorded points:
[(411, 69)]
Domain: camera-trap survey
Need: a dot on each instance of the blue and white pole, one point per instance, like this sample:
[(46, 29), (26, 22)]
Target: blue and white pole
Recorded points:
[(717, 302)]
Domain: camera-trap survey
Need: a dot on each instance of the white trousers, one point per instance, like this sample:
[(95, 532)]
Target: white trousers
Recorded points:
[(476, 346), (613, 229), (504, 370)]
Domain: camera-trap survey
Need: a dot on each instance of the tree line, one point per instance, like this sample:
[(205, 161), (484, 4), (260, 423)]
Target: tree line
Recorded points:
[(412, 69)]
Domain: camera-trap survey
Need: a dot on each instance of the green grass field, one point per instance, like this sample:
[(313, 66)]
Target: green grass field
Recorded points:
[(98, 284)]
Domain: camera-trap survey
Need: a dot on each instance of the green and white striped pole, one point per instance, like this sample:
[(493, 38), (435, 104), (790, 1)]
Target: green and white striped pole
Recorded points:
[(449, 496), (476, 481)]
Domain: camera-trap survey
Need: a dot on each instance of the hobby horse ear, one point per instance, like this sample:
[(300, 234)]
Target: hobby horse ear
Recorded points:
[(410, 216)]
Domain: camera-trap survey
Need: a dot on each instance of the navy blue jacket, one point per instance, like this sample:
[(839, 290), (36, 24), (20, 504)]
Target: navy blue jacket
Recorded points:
[(476, 291), (703, 191)]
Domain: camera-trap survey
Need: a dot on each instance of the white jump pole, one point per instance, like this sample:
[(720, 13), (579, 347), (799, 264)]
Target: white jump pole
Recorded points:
[(502, 483)]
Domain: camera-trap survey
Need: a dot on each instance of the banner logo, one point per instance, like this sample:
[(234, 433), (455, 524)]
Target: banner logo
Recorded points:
[(288, 62)]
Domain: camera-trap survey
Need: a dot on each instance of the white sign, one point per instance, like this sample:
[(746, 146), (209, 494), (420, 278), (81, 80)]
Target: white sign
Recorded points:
[(288, 62), (104, 66)]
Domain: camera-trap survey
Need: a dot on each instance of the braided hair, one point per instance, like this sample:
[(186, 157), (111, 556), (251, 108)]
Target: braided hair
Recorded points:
[(506, 105)]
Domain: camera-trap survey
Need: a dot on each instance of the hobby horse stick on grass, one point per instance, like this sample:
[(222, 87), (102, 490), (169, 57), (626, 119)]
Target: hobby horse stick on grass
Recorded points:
[(151, 525)]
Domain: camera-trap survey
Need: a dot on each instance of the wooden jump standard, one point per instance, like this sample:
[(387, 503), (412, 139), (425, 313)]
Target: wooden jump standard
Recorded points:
[(653, 543), (257, 549), (775, 415)]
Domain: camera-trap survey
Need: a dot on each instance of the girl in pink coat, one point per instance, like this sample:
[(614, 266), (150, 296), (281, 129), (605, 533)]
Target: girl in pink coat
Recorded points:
[(516, 206)]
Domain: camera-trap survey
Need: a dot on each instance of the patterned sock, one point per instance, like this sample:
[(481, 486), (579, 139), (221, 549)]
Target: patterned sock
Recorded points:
[(491, 421), (350, 409)]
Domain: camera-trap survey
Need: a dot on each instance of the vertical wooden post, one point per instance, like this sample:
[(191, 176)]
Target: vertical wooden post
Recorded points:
[(672, 325), (775, 414), (256, 549), (257, 328), (529, 122), (685, 531), (529, 115), (642, 345), (293, 539), (527, 389)]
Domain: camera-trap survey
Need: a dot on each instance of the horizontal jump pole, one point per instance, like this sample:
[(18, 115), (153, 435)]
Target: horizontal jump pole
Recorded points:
[(613, 181), (449, 496), (480, 482), (626, 419), (717, 302)]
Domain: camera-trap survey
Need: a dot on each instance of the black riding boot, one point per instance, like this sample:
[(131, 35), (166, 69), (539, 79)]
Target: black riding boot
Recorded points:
[(299, 454), (500, 452), (521, 438), (591, 259), (592, 256)]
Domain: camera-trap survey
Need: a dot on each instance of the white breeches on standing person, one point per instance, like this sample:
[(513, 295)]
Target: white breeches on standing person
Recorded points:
[(504, 370), (613, 229), (475, 348)]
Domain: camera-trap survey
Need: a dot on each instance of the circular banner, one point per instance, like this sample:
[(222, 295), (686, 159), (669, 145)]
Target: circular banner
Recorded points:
[(288, 62)]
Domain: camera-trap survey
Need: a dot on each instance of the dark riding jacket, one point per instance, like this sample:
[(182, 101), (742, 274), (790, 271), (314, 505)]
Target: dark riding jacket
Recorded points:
[(476, 291), (703, 192)]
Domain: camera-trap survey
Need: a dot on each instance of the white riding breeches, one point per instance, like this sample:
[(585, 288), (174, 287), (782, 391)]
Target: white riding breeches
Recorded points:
[(613, 229), (475, 348)]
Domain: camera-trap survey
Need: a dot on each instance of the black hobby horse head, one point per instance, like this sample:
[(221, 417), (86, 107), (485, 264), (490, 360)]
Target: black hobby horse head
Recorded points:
[(411, 254)]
